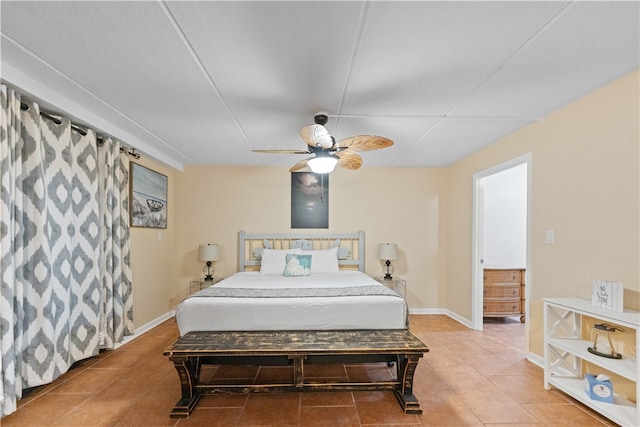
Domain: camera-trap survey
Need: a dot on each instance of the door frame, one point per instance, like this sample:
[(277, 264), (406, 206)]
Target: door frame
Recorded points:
[(478, 238)]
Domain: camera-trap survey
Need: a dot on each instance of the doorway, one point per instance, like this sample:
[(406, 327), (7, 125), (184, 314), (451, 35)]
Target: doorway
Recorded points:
[(501, 212)]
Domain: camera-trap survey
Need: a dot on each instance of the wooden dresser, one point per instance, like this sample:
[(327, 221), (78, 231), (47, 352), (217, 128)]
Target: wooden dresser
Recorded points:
[(504, 294)]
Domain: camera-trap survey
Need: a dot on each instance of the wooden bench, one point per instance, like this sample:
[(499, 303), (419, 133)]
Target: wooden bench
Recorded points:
[(295, 348)]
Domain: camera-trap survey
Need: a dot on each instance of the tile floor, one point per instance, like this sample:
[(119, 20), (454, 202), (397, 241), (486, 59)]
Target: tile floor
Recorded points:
[(468, 378)]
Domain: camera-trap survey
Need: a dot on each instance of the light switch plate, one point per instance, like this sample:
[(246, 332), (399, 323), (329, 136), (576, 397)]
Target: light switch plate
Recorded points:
[(550, 237)]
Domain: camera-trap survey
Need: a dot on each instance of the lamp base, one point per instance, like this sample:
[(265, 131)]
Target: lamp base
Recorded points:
[(593, 350), (209, 271), (388, 270)]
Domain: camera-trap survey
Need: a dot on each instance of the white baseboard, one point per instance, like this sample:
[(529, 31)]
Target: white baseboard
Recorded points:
[(535, 359), (146, 328), (444, 311), (460, 319), (426, 311)]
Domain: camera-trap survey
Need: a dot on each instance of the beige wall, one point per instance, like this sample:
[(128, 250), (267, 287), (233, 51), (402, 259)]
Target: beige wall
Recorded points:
[(152, 254), (585, 173), (406, 206), (584, 185)]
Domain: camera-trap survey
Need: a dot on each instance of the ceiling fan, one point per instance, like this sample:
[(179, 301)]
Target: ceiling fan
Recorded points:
[(327, 153)]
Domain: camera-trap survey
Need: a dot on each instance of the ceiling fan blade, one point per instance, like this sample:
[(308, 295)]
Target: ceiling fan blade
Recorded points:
[(301, 166), (282, 151), (349, 161), (365, 143)]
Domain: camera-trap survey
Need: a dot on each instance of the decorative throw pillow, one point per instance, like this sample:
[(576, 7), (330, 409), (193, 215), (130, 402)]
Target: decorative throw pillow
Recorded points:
[(324, 261), (274, 260), (297, 265)]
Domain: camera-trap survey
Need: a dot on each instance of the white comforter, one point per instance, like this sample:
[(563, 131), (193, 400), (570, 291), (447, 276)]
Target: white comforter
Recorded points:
[(201, 313)]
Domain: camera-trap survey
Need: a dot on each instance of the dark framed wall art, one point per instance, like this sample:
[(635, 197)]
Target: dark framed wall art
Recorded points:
[(309, 200), (148, 197)]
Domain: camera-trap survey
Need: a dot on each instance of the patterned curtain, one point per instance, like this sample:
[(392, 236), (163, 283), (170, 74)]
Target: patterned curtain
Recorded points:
[(54, 290), (117, 316)]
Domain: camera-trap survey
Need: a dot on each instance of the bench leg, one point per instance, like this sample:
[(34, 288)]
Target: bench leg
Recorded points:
[(406, 369), (189, 372), (298, 370)]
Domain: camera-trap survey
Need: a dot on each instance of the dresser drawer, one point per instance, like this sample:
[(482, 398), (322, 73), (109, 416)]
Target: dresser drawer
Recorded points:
[(502, 291), (502, 306), (502, 276)]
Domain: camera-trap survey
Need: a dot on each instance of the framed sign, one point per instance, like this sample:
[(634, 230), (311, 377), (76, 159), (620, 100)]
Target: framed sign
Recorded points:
[(309, 200), (148, 197), (608, 295)]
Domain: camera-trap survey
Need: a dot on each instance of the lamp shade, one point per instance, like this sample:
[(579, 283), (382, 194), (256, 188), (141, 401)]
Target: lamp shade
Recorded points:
[(209, 252), (387, 251)]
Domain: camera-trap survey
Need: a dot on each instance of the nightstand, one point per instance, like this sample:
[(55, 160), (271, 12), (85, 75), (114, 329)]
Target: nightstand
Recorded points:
[(197, 285), (396, 284)]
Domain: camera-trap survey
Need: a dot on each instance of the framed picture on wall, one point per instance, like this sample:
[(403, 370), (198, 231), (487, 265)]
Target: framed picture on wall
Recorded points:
[(148, 197), (309, 200)]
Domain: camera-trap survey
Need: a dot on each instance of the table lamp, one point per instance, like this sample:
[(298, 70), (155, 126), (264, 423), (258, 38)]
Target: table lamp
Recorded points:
[(388, 252), (209, 253)]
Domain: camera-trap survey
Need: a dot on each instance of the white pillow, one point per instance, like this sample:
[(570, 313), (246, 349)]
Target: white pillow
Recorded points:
[(274, 260), (323, 261)]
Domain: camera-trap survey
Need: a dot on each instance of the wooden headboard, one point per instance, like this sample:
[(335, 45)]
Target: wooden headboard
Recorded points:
[(350, 247)]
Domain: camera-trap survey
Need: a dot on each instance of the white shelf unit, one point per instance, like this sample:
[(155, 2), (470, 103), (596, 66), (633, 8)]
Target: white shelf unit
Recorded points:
[(565, 349)]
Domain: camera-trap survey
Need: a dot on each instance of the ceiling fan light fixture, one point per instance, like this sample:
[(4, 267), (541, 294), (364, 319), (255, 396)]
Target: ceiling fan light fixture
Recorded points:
[(317, 136), (327, 152), (323, 164)]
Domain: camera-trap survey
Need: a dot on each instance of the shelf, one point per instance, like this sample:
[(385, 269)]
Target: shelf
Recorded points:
[(621, 411), (625, 367), (628, 318), (566, 351)]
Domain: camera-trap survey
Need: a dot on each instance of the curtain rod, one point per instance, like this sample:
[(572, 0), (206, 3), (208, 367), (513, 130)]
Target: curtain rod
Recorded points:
[(131, 151)]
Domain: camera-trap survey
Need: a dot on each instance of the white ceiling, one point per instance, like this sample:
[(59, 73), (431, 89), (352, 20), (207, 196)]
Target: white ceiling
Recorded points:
[(207, 82)]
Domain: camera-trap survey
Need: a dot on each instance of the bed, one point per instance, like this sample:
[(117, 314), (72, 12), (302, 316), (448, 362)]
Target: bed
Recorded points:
[(296, 300), (332, 294)]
